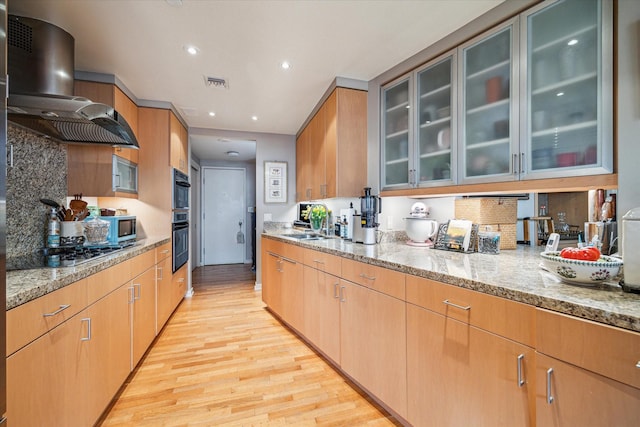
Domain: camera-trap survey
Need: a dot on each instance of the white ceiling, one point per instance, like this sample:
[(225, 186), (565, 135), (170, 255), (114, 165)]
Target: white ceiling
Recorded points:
[(142, 43)]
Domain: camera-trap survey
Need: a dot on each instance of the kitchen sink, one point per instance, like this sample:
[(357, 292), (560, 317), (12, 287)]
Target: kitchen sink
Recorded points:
[(305, 236)]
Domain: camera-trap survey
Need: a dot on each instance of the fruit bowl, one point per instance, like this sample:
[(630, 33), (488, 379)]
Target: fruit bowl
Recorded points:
[(579, 271)]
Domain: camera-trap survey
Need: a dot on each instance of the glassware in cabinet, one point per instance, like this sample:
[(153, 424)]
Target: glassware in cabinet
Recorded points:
[(396, 133), (436, 135), (486, 98), (566, 87)]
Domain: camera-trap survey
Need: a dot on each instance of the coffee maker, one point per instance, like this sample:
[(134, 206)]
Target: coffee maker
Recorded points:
[(370, 207)]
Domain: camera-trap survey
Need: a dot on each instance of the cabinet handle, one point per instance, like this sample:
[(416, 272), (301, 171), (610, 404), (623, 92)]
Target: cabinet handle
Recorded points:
[(520, 379), (61, 308), (515, 164), (166, 251), (10, 155), (88, 337), (181, 280), (160, 273), (461, 307), (549, 396), (336, 292), (318, 261), (364, 276), (521, 162), (136, 285), (290, 261), (116, 183), (131, 295), (342, 298), (638, 364)]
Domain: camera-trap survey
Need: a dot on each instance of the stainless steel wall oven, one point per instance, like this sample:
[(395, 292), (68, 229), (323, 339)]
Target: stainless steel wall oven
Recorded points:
[(180, 230), (180, 190)]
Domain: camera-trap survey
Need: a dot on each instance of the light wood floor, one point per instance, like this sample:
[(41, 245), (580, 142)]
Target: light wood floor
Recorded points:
[(223, 360)]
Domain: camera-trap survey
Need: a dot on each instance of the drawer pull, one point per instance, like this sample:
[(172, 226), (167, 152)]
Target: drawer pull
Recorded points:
[(318, 261), (62, 308), (520, 379), (549, 396), (461, 307), (364, 276), (88, 337), (166, 251), (638, 364)]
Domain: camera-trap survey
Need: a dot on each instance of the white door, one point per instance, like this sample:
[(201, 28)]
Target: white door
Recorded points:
[(223, 215)]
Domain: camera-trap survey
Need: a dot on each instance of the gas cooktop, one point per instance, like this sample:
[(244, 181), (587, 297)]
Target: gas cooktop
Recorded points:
[(67, 256)]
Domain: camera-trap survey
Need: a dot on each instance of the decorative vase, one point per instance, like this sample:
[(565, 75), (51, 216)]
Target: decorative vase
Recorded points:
[(316, 224)]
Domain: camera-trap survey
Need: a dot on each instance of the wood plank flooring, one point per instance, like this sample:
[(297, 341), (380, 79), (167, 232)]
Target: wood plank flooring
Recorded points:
[(224, 360)]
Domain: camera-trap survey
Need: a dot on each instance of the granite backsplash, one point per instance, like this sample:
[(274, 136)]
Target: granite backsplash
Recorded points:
[(37, 169)]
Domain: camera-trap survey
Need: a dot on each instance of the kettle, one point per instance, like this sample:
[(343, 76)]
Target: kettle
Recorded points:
[(631, 250)]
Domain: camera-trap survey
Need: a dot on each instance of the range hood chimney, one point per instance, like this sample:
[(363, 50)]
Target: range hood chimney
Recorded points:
[(40, 62)]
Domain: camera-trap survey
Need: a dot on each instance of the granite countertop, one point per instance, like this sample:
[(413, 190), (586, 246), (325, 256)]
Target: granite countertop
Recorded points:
[(513, 274), (26, 285)]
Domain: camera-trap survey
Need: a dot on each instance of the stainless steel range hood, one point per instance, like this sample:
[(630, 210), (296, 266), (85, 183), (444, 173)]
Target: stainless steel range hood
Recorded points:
[(41, 61)]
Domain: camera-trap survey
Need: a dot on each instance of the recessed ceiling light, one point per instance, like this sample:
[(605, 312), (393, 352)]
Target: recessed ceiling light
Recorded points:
[(191, 50), (285, 65), (212, 114), (233, 153), (254, 118), (559, 93), (572, 42)]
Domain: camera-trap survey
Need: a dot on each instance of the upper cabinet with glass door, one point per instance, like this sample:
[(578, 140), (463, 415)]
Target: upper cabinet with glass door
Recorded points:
[(489, 113), (568, 103), (436, 132), (396, 131)]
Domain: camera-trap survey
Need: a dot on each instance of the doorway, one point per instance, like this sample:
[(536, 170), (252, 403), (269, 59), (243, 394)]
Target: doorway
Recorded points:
[(223, 215)]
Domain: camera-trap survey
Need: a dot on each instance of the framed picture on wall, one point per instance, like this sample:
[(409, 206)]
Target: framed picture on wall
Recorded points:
[(275, 182)]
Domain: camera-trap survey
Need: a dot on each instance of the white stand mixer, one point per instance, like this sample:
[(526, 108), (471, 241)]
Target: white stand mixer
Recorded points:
[(419, 228)]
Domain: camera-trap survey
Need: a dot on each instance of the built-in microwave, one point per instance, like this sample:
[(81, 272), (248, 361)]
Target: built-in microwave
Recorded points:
[(122, 229), (125, 175), (180, 190)]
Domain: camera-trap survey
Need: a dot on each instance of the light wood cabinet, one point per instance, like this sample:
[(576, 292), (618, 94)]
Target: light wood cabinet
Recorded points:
[(143, 314), (109, 350), (179, 145), (459, 375), (282, 281), (322, 311), (303, 166), (178, 286), (90, 167), (469, 341), (373, 343), (164, 279), (587, 373), (46, 380), (332, 149), (71, 350)]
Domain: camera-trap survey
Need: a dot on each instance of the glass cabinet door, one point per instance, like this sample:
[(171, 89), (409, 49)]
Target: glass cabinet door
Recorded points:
[(436, 135), (125, 175), (396, 134), (564, 87), (488, 111)]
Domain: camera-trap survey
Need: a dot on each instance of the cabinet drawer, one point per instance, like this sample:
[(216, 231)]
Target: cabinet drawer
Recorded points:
[(325, 262), (500, 316), (383, 280), (108, 280), (163, 252), (142, 263), (291, 252), (27, 322), (269, 245), (606, 350)]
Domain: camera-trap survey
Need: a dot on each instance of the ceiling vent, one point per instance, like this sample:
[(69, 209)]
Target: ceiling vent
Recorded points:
[(216, 82)]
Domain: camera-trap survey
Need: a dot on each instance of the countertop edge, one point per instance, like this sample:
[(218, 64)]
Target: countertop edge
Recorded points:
[(557, 304), (26, 285)]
